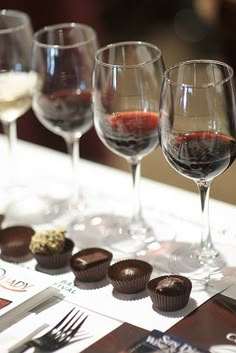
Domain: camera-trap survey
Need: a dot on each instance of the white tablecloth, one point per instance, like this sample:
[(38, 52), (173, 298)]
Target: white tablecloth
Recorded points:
[(109, 190)]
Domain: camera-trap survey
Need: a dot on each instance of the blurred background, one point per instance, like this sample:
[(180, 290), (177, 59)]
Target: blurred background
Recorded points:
[(182, 29)]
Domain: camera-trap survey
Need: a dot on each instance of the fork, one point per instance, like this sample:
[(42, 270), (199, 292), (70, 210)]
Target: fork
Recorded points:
[(58, 336)]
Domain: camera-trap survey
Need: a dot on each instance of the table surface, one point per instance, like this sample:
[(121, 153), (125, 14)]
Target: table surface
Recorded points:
[(107, 189), (39, 166)]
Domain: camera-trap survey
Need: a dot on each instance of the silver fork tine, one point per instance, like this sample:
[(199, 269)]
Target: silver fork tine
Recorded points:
[(74, 331), (72, 321), (58, 336), (62, 320), (62, 328), (77, 327)]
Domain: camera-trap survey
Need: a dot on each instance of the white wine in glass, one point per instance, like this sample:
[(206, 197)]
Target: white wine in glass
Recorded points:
[(17, 83)]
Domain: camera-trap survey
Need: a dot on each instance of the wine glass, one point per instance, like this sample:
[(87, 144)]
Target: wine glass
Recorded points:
[(17, 82), (63, 56), (126, 82), (197, 133)]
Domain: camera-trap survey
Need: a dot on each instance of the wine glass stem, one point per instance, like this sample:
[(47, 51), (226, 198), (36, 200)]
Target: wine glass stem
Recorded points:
[(9, 129), (207, 249), (137, 210), (74, 152)]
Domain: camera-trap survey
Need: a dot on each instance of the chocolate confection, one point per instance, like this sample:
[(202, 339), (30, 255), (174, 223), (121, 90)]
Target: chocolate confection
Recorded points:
[(91, 264), (171, 285), (129, 276), (170, 292), (47, 242), (58, 259), (83, 261), (14, 242), (51, 249)]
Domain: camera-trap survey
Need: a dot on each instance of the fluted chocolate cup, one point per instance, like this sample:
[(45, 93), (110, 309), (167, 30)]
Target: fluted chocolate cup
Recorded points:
[(91, 264), (14, 242), (56, 260), (170, 292), (129, 276)]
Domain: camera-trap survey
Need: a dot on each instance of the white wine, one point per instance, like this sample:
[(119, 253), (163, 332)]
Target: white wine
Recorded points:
[(16, 89)]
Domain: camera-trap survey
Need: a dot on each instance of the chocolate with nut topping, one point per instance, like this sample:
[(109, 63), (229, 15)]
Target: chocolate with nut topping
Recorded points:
[(51, 241)]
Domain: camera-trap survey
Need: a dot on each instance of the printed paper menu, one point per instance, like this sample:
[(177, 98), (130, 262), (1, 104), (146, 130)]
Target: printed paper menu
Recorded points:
[(20, 290)]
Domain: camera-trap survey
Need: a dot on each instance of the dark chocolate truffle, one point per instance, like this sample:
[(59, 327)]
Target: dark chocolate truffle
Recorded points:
[(129, 276), (15, 241), (171, 286), (88, 260), (91, 264), (169, 293)]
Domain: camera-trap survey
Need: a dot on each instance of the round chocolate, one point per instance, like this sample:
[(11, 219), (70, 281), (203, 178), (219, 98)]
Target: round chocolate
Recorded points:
[(171, 285), (130, 271), (169, 292), (48, 242), (15, 240), (57, 260), (129, 276)]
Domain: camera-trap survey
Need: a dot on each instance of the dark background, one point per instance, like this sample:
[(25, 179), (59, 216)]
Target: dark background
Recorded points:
[(182, 29)]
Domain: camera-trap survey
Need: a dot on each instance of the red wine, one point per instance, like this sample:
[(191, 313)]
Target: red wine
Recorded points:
[(134, 122), (200, 155), (131, 133), (65, 112)]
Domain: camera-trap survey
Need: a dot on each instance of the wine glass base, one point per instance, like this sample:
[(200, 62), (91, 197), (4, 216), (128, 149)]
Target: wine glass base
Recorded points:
[(37, 205), (140, 240), (111, 232), (190, 262), (89, 231), (124, 238), (115, 233), (127, 241), (34, 211)]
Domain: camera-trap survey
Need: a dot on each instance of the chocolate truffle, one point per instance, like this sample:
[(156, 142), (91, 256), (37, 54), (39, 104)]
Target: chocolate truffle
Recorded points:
[(171, 285), (47, 242), (91, 264), (129, 276), (170, 292), (15, 241), (88, 260), (51, 249)]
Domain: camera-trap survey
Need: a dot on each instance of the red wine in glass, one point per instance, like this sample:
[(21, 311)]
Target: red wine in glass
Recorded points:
[(65, 111), (131, 133), (201, 155), (63, 57), (198, 131), (127, 81)]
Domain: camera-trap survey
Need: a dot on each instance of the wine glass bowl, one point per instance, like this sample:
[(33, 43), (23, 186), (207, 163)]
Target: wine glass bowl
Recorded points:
[(197, 131), (17, 79), (17, 82), (63, 57), (126, 81), (63, 103)]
